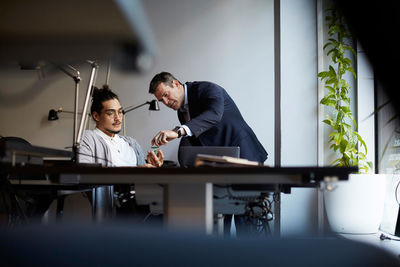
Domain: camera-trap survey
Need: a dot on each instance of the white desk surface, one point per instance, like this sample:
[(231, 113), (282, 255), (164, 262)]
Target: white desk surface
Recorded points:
[(392, 246)]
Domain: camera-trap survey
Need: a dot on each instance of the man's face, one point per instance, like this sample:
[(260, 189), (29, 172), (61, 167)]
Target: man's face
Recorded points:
[(110, 118), (173, 97)]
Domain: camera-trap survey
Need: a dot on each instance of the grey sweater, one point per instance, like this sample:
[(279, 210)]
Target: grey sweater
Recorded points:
[(93, 149)]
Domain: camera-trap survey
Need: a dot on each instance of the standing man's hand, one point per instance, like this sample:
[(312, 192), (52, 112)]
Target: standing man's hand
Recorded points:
[(163, 137)]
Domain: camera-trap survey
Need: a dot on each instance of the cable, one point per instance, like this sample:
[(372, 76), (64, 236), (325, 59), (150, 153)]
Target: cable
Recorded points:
[(395, 193), (258, 210), (383, 237), (259, 214)]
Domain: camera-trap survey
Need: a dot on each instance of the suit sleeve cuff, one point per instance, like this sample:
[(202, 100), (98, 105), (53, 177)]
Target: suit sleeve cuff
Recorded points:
[(188, 131)]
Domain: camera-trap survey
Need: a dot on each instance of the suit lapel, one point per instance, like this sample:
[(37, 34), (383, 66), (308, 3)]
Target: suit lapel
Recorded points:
[(180, 117), (191, 91)]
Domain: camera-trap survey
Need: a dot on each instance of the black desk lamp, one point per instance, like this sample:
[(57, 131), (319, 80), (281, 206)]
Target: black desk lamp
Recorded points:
[(154, 106), (53, 113)]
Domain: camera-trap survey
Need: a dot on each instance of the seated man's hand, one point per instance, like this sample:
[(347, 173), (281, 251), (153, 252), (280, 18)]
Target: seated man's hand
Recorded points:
[(147, 165), (155, 160)]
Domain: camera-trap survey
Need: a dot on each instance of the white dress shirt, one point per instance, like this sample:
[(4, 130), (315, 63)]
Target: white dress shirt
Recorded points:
[(122, 154), (184, 110)]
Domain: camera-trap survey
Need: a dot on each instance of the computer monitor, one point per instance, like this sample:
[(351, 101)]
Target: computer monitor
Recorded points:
[(187, 154)]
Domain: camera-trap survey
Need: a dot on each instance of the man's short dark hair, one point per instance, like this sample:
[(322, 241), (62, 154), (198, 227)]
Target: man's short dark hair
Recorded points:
[(99, 96), (162, 77)]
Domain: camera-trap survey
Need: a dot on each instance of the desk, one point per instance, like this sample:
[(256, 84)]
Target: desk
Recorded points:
[(188, 192)]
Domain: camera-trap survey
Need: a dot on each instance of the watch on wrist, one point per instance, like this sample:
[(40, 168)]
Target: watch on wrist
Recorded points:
[(177, 129)]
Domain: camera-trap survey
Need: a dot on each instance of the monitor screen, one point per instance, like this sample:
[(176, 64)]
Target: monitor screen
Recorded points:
[(187, 154)]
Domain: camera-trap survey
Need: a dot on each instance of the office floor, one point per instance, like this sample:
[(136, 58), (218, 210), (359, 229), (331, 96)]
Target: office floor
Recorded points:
[(391, 246)]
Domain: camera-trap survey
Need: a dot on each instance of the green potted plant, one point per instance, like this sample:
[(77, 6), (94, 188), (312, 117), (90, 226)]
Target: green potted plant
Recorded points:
[(349, 204), (344, 139)]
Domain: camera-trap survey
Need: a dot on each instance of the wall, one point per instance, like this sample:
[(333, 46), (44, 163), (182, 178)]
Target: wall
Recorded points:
[(365, 103), (299, 109), (227, 42), (26, 96)]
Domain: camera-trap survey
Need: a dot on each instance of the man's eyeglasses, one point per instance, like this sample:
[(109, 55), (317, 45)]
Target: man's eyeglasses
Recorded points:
[(113, 113)]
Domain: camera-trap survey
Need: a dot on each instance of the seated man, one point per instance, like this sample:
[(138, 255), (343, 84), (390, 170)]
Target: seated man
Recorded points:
[(103, 145)]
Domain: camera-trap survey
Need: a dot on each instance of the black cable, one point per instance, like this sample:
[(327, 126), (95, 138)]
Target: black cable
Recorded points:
[(259, 214), (395, 193), (383, 237), (258, 220)]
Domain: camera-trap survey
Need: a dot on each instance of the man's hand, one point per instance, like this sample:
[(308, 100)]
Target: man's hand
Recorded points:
[(163, 137), (155, 160), (147, 165)]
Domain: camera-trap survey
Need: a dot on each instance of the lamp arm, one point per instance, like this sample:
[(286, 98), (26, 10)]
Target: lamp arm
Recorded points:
[(85, 107), (126, 110), (72, 112), (108, 71), (76, 77)]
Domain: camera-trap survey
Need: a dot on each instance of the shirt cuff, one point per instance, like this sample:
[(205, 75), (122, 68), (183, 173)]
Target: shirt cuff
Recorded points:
[(188, 131)]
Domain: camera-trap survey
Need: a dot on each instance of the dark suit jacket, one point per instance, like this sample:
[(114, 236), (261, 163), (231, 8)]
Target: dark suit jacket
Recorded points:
[(216, 121)]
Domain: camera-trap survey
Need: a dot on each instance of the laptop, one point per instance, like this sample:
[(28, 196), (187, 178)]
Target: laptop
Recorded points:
[(187, 154)]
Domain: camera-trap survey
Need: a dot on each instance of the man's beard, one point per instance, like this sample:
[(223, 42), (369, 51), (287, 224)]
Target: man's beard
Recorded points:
[(112, 132)]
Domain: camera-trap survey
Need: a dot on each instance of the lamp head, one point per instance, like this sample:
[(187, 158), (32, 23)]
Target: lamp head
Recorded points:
[(154, 105), (53, 116)]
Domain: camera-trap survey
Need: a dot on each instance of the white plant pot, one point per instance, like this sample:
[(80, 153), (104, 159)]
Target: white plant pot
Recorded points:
[(356, 206)]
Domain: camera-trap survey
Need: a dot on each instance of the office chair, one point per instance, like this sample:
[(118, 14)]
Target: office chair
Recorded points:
[(22, 205)]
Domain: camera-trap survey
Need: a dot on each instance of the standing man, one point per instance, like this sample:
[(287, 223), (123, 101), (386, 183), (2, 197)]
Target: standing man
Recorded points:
[(207, 114)]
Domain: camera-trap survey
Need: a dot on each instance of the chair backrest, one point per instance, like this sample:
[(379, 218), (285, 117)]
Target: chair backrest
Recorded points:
[(12, 141), (8, 144), (15, 140)]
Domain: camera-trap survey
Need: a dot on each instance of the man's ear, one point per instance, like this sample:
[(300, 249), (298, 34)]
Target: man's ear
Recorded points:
[(176, 83), (96, 116)]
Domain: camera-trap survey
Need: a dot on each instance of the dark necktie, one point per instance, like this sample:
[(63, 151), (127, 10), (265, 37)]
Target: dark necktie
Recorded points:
[(185, 113)]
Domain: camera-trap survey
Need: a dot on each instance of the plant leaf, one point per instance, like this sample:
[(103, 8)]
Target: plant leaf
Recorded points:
[(328, 102), (329, 122)]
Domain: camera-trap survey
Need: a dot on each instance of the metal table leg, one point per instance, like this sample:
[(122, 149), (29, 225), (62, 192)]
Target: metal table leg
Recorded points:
[(103, 203), (189, 206)]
